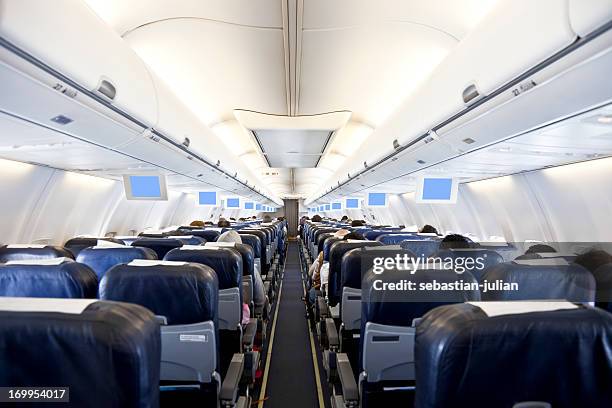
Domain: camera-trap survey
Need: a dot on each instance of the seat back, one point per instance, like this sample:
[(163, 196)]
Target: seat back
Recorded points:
[(19, 252), (469, 355), (77, 244), (336, 252), (161, 246), (208, 234), (421, 247), (101, 259), (188, 239), (47, 278), (539, 279), (603, 284), (474, 260), (107, 352), (187, 296)]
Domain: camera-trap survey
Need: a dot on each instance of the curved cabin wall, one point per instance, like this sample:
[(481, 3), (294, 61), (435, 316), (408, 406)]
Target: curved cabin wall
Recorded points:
[(41, 203), (569, 203)]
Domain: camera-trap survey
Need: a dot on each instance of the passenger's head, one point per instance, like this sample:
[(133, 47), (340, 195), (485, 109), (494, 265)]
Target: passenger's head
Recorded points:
[(241, 219), (197, 223), (344, 218), (281, 218), (593, 259), (230, 236), (341, 233), (354, 235), (539, 249), (317, 218), (428, 229), (232, 219), (223, 223), (253, 217), (454, 241), (357, 223), (267, 218), (208, 223)]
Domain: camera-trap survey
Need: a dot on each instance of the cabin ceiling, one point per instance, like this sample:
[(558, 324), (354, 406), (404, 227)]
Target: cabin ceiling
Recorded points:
[(294, 58)]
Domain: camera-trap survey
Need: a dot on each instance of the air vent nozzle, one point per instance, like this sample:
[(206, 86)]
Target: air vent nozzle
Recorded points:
[(107, 89), (470, 93)]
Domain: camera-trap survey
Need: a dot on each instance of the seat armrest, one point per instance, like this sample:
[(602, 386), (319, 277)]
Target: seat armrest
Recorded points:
[(231, 382), (248, 336), (322, 308), (332, 334), (350, 391)]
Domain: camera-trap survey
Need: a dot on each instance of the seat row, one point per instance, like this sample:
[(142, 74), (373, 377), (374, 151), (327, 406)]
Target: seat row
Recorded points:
[(190, 301)]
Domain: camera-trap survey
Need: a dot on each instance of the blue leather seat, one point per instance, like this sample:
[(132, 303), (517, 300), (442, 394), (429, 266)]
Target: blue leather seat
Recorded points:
[(63, 279), (325, 244), (421, 247), (107, 352), (161, 246), (188, 239), (477, 260), (207, 234), (540, 279), (336, 252), (101, 260), (18, 252), (603, 283), (76, 245), (465, 358)]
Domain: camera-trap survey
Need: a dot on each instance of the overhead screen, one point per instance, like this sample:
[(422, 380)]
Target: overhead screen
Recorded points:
[(352, 203), (145, 187), (327, 207), (249, 205), (442, 190), (336, 206), (232, 202), (207, 198), (377, 199), (258, 207)]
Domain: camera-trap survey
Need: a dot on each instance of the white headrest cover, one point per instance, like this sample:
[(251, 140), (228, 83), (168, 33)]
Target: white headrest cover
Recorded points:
[(155, 262), (220, 245), (23, 246), (493, 309), (45, 261), (19, 304)]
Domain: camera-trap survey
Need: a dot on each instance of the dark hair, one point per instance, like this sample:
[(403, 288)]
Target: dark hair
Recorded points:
[(357, 223), (593, 259), (197, 223), (316, 218), (223, 223), (267, 218), (428, 229), (353, 235), (344, 217), (454, 241), (540, 248), (232, 218), (281, 218)]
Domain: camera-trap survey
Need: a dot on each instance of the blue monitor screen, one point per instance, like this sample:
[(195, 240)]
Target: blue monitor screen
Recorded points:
[(249, 205), (352, 203), (437, 188), (207, 198), (336, 206), (145, 186), (258, 207), (320, 208), (233, 203), (327, 207), (377, 199)]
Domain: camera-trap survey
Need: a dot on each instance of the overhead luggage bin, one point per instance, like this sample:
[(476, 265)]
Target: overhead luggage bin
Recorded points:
[(107, 353)]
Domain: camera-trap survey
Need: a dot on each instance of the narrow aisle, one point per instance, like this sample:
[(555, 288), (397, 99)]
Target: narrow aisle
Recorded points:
[(291, 380)]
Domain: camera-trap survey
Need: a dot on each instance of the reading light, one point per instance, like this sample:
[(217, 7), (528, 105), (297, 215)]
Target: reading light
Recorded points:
[(605, 119)]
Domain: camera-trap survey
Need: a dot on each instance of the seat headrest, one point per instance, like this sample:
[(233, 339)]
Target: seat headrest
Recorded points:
[(208, 234), (396, 238), (184, 293), (77, 244), (101, 260), (49, 278), (254, 242), (15, 252), (399, 305), (546, 279), (336, 252), (421, 247), (356, 262), (107, 350), (474, 260), (465, 357), (226, 262), (188, 239), (161, 246)]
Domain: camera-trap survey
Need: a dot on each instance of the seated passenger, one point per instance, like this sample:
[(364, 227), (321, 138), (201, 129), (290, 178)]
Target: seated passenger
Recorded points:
[(454, 241), (539, 248), (197, 223), (344, 218), (259, 296), (223, 223), (317, 218), (599, 263), (267, 218), (357, 223), (354, 235), (428, 229)]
